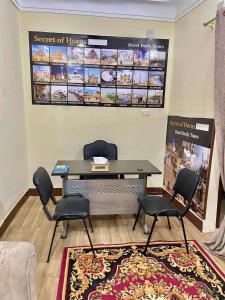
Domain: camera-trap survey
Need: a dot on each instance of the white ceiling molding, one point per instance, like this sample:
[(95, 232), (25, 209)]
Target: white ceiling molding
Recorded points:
[(185, 6), (156, 10), (17, 4)]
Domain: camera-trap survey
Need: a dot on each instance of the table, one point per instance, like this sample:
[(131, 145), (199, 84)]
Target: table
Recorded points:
[(108, 196)]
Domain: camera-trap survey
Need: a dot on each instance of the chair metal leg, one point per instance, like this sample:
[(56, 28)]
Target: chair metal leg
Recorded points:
[(92, 249), (182, 223), (168, 220), (150, 234), (50, 249), (64, 229), (138, 214), (90, 224)]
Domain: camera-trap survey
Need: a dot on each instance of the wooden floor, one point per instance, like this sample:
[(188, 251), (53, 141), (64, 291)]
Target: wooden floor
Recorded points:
[(30, 224)]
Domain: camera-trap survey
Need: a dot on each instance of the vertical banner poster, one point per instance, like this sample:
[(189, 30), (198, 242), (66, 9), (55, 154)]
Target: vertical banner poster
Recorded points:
[(73, 69), (189, 144)]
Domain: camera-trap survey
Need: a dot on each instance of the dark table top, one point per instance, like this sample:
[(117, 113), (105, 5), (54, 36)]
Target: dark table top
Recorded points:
[(83, 167)]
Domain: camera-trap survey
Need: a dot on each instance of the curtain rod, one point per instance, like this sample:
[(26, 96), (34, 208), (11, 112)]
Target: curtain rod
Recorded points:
[(209, 23)]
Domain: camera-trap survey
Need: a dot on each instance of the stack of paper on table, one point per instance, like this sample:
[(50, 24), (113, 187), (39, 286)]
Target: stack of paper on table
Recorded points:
[(100, 164), (99, 160)]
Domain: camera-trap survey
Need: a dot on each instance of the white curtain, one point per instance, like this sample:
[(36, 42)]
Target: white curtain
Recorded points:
[(217, 243)]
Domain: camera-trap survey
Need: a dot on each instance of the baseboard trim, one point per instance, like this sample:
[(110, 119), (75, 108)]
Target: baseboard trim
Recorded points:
[(30, 192), (13, 213), (154, 191), (56, 192)]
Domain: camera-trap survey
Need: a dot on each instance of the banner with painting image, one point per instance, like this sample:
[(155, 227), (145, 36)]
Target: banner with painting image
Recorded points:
[(189, 143), (72, 69)]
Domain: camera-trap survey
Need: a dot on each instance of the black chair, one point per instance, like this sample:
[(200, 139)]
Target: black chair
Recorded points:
[(157, 206), (68, 208), (100, 148)]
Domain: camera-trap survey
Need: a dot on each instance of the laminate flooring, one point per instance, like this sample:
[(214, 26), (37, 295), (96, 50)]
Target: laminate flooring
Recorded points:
[(31, 224)]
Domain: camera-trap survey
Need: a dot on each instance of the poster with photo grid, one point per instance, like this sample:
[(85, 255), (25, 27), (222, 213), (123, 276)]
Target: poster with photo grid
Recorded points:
[(88, 70)]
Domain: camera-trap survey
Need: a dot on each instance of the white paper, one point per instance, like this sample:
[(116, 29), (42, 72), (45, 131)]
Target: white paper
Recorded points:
[(96, 42), (203, 127), (100, 160)]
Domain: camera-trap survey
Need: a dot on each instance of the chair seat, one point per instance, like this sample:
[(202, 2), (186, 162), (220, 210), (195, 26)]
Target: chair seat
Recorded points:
[(71, 207), (185, 185), (152, 205)]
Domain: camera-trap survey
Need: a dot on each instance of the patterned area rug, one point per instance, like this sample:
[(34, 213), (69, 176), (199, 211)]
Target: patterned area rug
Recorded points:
[(122, 272)]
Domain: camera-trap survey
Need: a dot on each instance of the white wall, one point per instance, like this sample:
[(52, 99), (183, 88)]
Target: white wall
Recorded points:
[(193, 82), (59, 132), (13, 159)]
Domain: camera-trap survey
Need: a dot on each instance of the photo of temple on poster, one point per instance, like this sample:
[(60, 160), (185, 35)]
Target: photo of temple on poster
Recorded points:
[(91, 70), (189, 144)]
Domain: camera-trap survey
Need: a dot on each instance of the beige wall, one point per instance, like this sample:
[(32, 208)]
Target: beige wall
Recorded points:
[(13, 159), (193, 81), (59, 132)]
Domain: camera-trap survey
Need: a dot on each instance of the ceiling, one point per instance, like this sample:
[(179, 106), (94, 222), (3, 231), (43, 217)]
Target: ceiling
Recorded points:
[(158, 10)]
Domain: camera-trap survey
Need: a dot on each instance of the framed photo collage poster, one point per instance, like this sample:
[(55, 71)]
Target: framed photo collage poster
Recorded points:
[(87, 70)]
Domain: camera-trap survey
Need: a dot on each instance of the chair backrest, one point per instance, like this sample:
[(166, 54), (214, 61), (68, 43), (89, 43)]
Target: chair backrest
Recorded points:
[(43, 184), (186, 184), (100, 148)]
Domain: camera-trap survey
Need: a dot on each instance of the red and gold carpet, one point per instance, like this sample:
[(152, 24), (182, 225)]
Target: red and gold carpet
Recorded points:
[(122, 272)]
